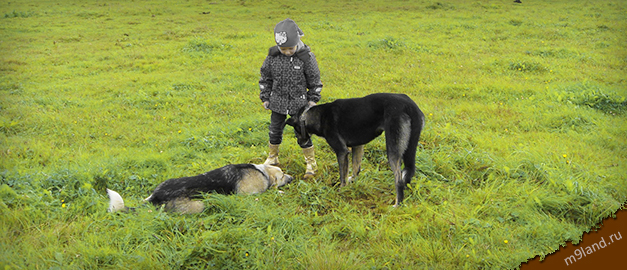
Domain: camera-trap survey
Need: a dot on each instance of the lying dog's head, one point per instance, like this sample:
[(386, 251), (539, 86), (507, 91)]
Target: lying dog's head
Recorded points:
[(298, 121), (276, 176)]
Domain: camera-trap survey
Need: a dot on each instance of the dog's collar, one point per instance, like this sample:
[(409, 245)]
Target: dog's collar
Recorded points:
[(302, 119), (302, 116), (262, 169)]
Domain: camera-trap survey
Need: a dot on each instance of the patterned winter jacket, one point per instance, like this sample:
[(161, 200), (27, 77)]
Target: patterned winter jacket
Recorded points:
[(290, 82)]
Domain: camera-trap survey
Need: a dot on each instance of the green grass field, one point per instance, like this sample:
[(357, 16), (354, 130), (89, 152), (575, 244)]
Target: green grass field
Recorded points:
[(525, 144)]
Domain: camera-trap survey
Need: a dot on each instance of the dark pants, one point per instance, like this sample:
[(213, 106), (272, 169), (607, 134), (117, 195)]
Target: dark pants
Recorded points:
[(277, 124)]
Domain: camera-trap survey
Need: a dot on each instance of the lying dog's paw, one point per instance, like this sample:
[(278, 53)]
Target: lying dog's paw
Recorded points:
[(350, 180)]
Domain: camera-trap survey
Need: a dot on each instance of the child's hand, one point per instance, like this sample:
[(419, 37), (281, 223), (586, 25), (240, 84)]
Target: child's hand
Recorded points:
[(311, 103), (266, 104)]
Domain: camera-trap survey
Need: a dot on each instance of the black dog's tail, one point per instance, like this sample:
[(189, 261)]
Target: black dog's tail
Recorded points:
[(409, 156)]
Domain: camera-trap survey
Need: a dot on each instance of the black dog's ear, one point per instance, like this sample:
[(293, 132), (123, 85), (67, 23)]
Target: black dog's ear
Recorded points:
[(292, 121)]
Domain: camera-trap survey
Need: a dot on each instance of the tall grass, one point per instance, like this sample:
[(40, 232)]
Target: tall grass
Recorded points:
[(524, 147)]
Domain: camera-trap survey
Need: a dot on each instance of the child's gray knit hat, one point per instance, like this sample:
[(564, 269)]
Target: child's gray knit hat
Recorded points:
[(287, 33)]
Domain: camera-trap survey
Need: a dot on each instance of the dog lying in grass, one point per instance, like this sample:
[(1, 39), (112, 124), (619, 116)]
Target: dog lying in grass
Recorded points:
[(177, 194)]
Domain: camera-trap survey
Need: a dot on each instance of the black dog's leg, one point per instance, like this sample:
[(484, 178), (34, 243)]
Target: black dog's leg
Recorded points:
[(409, 158), (399, 181), (342, 160), (358, 154), (341, 151), (394, 159)]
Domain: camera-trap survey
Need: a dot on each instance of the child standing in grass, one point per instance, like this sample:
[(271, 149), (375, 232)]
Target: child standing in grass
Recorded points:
[(290, 80)]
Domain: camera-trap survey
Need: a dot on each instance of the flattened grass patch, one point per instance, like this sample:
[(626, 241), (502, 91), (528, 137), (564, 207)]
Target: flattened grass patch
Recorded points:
[(198, 47), (527, 66), (593, 96)]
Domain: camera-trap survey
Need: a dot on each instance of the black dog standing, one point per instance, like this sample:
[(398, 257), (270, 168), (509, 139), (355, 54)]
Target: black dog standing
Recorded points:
[(355, 122)]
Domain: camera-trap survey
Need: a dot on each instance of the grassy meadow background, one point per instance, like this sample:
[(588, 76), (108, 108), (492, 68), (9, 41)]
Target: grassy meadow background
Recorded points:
[(525, 144)]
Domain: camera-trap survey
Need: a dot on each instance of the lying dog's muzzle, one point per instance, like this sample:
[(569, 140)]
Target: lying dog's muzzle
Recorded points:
[(288, 178)]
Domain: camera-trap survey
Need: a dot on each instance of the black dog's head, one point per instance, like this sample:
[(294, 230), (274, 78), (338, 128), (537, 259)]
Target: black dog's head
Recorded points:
[(298, 121)]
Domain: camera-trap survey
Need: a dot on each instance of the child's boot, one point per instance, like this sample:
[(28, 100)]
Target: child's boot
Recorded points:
[(310, 158), (273, 156)]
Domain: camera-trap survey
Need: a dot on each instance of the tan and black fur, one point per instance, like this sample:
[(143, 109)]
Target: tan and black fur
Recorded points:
[(177, 194)]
